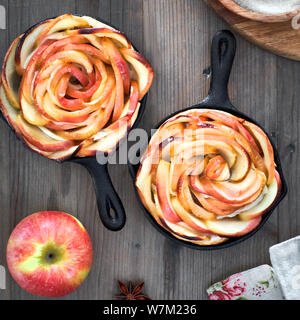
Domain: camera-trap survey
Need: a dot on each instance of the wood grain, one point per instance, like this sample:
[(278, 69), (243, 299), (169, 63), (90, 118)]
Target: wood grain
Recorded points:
[(252, 15), (175, 36), (278, 37)]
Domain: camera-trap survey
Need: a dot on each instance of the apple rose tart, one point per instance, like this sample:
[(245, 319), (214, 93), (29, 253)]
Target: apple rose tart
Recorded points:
[(72, 86), (207, 176)]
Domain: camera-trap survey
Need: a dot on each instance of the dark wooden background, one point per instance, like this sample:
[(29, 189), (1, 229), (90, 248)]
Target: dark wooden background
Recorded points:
[(175, 36)]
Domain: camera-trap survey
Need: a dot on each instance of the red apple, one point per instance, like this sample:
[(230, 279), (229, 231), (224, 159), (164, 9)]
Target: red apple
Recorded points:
[(49, 254)]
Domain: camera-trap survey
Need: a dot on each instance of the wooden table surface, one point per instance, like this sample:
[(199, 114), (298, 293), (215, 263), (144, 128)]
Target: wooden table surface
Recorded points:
[(175, 36)]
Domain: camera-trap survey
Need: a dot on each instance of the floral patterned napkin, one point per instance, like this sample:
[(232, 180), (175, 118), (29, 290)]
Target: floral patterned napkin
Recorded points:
[(255, 284)]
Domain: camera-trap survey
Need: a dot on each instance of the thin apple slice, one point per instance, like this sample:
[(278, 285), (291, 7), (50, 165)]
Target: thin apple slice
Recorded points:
[(142, 68), (266, 147), (163, 192), (70, 56), (31, 114), (134, 116), (59, 44), (178, 119), (266, 202), (211, 144), (186, 199), (194, 222), (107, 84), (143, 183), (61, 23), (65, 154), (95, 23), (236, 192), (231, 121), (121, 74), (159, 137), (217, 169), (176, 171), (9, 76), (107, 139), (213, 205), (108, 142), (8, 110), (198, 185), (27, 82), (232, 227), (114, 35), (212, 241), (241, 166), (35, 149), (184, 232), (27, 45), (242, 161), (60, 115), (245, 143), (132, 102), (39, 139), (58, 155), (179, 228), (94, 125)]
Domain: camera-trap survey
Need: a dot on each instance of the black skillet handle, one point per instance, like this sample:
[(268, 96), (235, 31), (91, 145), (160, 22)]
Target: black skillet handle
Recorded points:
[(107, 197), (222, 55)]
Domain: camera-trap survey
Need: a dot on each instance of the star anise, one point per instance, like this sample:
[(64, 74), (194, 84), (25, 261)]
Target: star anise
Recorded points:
[(128, 293)]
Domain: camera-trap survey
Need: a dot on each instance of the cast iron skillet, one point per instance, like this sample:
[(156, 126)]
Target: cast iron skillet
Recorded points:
[(222, 56), (106, 195)]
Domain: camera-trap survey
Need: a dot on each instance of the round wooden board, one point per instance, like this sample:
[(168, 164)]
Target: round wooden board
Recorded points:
[(279, 38)]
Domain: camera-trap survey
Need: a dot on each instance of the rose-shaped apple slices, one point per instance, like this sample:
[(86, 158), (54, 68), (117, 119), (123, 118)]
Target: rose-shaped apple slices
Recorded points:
[(72, 86), (207, 176)]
